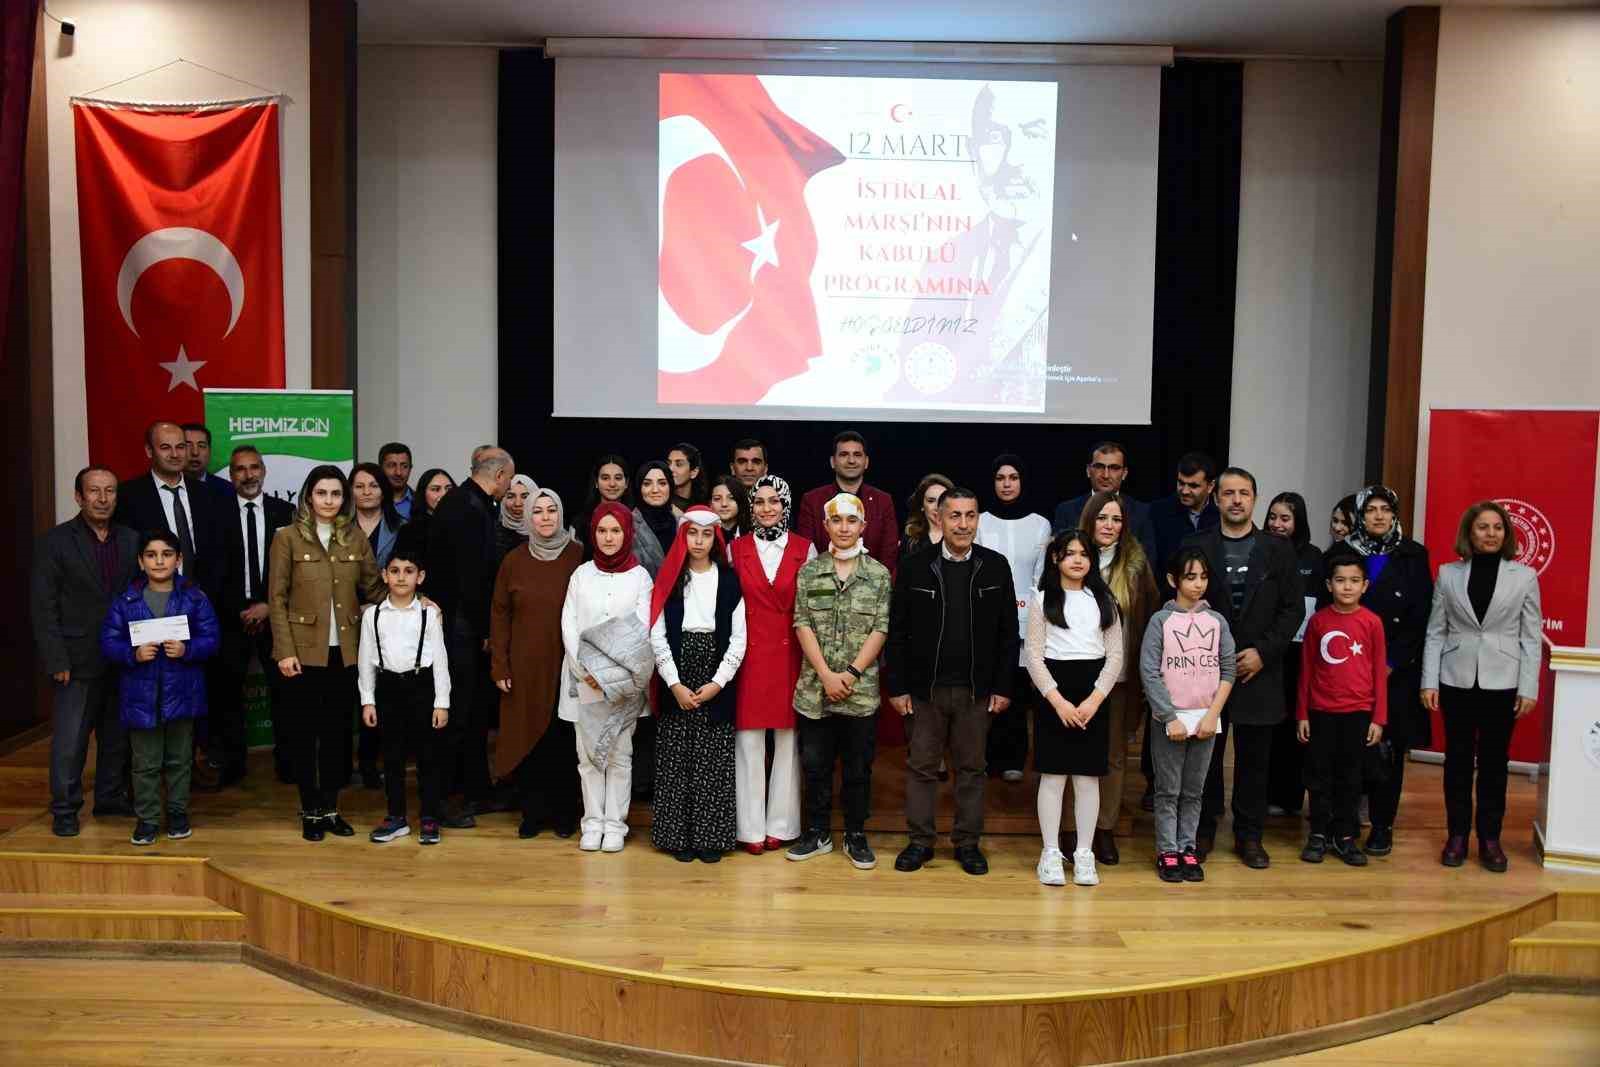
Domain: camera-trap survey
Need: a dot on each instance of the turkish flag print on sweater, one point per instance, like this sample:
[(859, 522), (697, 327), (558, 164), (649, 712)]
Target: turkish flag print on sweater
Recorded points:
[(1344, 665)]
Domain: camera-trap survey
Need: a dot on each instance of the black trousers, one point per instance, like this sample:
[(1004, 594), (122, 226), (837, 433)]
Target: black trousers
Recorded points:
[(1252, 763), (471, 692), (852, 741), (405, 721), (1333, 771), (1008, 732), (319, 703), (228, 745), (1477, 726), (1286, 781), (547, 778), (1409, 727)]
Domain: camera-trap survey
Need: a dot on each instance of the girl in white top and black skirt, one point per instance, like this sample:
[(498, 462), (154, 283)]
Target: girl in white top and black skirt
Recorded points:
[(1074, 654)]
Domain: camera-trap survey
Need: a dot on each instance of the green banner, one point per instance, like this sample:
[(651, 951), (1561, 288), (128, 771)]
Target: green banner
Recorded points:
[(294, 430)]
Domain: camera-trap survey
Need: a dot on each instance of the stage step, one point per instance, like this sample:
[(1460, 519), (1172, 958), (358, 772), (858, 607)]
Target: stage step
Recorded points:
[(1566, 948), (1579, 906), (115, 917)]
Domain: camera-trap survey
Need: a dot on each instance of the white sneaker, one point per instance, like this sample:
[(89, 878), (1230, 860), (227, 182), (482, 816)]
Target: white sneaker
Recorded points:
[(611, 843), (1012, 775), (1051, 869), (1083, 872), (590, 841)]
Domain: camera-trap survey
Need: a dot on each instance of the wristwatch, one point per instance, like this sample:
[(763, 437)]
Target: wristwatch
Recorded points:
[(851, 667)]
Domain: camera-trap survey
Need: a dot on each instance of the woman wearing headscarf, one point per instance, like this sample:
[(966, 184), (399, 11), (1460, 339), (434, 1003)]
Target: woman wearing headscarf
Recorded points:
[(603, 595), (1286, 517), (525, 662), (655, 518), (1132, 581), (1012, 528), (697, 629), (1400, 592), (513, 529), (767, 561)]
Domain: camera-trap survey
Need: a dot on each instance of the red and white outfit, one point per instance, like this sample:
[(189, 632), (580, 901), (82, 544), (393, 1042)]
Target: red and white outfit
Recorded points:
[(768, 807)]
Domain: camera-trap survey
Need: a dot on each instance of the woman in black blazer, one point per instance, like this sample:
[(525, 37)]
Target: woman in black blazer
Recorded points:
[(1400, 593), (1480, 667)]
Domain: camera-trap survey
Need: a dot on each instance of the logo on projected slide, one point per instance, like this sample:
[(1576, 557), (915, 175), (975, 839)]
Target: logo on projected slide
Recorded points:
[(1536, 538), (930, 368), (874, 367)]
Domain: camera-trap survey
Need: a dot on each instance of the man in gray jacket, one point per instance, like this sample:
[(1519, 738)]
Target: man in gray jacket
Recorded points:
[(78, 567)]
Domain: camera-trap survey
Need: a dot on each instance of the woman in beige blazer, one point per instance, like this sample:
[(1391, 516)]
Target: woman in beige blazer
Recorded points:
[(322, 573), (1480, 669)]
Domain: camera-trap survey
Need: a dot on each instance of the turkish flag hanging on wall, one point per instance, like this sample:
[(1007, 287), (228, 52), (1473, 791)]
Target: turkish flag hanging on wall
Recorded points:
[(182, 242)]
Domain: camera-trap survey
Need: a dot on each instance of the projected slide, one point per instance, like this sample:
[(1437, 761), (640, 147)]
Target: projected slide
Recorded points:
[(855, 242)]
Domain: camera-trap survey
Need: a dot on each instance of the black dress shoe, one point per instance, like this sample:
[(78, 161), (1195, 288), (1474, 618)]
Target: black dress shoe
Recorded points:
[(912, 857), (1205, 843), (1455, 852), (112, 809), (684, 855), (1491, 856), (1105, 848), (709, 855), (460, 821), (566, 829), (64, 826), (1380, 842), (337, 826), (311, 827), (1252, 854), (972, 859), (528, 828)]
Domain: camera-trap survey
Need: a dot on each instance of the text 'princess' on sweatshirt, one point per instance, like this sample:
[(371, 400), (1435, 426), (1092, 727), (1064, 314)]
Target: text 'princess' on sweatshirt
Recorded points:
[(1186, 657), (1344, 665)]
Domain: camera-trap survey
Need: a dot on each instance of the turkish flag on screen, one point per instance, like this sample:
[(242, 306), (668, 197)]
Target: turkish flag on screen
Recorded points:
[(182, 245), (736, 240)]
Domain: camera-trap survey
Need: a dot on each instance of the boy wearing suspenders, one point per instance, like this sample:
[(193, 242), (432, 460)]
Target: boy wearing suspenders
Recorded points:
[(404, 674)]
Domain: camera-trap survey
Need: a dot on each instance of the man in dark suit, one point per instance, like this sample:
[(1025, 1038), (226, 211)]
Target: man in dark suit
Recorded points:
[(78, 567), (198, 437), (166, 498), (1107, 470), (1255, 582), (253, 519), (1189, 510)]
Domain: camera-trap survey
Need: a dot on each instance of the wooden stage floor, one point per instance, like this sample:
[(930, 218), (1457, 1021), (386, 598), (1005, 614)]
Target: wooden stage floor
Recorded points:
[(821, 931)]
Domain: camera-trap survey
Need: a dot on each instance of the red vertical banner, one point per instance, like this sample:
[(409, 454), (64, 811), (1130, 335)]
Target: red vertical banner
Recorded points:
[(181, 235), (1540, 465)]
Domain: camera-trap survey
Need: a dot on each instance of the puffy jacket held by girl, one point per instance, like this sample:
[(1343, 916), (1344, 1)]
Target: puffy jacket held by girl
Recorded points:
[(163, 689)]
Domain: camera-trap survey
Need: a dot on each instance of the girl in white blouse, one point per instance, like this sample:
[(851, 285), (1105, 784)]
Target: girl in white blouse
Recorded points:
[(610, 585), (697, 629), (1074, 654)]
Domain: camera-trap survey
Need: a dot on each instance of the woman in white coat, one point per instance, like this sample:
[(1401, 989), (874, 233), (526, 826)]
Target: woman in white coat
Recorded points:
[(1480, 669), (610, 585)]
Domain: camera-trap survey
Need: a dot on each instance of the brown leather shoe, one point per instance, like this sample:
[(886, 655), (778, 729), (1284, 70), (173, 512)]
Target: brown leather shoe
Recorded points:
[(1455, 852), (1491, 856), (1105, 848)]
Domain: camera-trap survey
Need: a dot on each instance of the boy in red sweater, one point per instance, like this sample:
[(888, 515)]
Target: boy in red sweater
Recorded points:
[(1343, 705)]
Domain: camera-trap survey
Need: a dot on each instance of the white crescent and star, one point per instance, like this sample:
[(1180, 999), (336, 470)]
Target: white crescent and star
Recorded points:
[(1327, 644), (682, 348), (182, 370)]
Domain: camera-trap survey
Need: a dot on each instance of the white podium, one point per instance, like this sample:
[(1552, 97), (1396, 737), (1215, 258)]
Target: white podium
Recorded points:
[(1567, 828)]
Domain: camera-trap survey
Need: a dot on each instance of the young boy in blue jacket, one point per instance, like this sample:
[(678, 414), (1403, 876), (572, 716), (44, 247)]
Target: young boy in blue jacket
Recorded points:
[(162, 685)]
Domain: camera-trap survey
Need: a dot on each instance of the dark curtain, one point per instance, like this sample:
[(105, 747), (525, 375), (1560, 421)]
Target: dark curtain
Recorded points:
[(1196, 252), (17, 30)]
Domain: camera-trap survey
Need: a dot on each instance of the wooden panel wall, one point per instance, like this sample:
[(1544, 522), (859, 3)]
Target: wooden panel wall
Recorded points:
[(1405, 173), (333, 186)]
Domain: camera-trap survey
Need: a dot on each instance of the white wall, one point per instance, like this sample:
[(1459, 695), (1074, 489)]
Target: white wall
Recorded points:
[(427, 330), (1513, 286), (263, 42), (1308, 195)]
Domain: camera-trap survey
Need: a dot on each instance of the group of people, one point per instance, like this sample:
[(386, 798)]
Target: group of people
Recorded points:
[(719, 648)]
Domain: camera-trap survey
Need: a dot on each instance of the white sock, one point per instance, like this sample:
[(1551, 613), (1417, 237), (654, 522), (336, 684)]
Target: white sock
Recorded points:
[(1085, 807), (1052, 790)]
